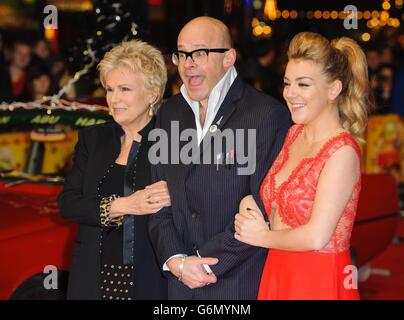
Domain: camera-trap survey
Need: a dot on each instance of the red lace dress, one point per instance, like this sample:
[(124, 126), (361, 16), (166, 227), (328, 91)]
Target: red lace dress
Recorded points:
[(323, 274)]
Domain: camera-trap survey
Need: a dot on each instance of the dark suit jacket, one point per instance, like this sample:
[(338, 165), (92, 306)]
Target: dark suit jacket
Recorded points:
[(97, 148), (206, 197)]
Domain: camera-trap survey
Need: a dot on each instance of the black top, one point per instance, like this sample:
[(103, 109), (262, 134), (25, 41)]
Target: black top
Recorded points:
[(116, 278), (111, 244)]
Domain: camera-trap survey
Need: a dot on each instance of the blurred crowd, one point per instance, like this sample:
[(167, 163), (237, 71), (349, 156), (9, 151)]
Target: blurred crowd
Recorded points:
[(29, 71), (264, 69)]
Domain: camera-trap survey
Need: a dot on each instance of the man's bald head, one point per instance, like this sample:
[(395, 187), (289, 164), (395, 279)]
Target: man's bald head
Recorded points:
[(214, 27), (200, 78)]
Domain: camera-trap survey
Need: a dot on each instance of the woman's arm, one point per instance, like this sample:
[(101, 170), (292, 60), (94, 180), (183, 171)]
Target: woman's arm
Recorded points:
[(335, 186), (73, 204), (86, 208)]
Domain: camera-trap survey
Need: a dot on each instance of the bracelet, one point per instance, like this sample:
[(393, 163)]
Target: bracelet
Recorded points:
[(181, 269), (105, 208)]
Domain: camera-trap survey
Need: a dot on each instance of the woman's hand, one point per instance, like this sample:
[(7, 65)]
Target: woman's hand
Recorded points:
[(146, 201), (158, 193), (251, 228)]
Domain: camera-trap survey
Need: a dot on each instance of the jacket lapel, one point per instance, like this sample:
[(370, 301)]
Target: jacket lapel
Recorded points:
[(225, 111), (110, 145)]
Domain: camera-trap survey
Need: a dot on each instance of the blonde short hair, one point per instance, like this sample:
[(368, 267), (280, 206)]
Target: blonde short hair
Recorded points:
[(140, 57)]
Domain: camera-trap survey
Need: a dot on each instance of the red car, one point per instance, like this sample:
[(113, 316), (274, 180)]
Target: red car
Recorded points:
[(35, 152), (34, 237)]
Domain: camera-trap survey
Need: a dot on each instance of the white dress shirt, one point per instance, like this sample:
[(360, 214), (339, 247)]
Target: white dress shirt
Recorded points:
[(215, 100)]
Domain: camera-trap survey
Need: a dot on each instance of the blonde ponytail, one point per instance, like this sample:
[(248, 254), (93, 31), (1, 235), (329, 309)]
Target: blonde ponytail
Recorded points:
[(355, 103)]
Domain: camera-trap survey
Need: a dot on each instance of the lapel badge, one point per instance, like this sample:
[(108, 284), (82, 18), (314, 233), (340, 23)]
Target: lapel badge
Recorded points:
[(213, 128)]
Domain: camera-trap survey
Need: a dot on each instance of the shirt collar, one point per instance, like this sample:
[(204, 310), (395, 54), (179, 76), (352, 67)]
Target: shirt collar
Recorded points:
[(217, 95)]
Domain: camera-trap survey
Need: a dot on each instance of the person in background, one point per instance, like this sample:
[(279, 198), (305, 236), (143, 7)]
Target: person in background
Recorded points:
[(384, 90), (20, 59), (5, 85), (38, 84), (373, 58), (41, 54), (260, 70)]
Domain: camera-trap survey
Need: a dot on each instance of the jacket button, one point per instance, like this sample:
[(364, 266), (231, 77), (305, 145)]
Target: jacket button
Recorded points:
[(194, 215)]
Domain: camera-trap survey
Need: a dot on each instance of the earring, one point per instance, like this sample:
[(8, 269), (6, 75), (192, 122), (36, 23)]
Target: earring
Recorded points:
[(151, 110)]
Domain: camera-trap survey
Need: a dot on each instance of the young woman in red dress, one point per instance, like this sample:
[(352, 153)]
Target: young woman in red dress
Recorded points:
[(310, 194)]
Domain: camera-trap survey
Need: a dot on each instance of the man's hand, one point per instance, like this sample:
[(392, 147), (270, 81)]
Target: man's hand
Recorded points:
[(193, 273)]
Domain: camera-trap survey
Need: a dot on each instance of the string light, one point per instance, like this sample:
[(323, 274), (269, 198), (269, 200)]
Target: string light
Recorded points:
[(365, 36), (318, 14), (367, 14), (342, 15), (384, 15), (44, 105), (254, 22), (257, 31), (326, 15), (396, 23), (267, 30), (386, 5), (374, 22), (375, 18), (293, 14), (260, 28)]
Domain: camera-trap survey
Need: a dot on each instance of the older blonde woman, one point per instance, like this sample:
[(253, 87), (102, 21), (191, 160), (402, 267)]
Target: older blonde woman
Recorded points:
[(109, 192)]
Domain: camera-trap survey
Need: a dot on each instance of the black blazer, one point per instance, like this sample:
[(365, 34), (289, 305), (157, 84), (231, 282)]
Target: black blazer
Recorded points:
[(206, 197), (97, 148)]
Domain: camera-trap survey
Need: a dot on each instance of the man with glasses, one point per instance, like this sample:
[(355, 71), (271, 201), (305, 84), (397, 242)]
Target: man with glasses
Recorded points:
[(194, 238)]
